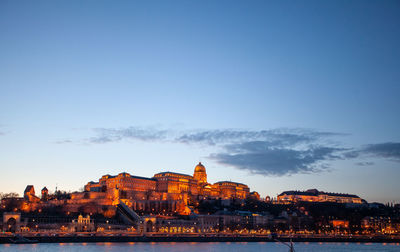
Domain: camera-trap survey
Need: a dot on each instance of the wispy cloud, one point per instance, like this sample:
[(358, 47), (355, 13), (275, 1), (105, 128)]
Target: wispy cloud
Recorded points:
[(267, 152), (64, 141), (106, 135), (262, 158), (387, 150), (281, 137), (275, 152), (365, 163)]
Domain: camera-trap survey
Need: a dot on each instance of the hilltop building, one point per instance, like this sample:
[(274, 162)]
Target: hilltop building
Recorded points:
[(29, 194), (200, 173), (313, 195), (175, 190), (45, 194), (167, 192)]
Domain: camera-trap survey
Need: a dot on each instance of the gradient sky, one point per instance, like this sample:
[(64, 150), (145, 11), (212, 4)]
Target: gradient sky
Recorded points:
[(279, 95)]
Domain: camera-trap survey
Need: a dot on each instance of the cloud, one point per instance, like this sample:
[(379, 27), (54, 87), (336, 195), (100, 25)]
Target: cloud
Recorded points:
[(275, 152), (65, 141), (281, 137), (388, 150), (105, 135), (365, 163), (262, 158), (278, 137), (268, 152)]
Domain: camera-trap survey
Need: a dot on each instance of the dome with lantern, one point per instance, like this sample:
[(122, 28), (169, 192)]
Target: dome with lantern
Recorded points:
[(200, 173), (200, 168)]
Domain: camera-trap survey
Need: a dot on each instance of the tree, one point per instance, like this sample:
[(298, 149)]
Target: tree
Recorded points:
[(10, 201), (9, 195), (61, 195)]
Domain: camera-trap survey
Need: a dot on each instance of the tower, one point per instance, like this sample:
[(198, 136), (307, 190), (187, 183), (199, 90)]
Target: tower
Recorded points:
[(45, 194), (29, 192), (200, 173)]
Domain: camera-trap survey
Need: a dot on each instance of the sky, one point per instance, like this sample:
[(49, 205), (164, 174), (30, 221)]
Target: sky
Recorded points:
[(279, 95)]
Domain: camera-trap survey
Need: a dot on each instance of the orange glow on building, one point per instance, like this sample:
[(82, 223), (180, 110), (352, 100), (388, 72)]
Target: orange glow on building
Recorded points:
[(165, 192), (340, 223), (313, 195)]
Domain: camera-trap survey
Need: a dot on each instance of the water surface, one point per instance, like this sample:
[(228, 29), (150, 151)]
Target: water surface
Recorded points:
[(198, 247)]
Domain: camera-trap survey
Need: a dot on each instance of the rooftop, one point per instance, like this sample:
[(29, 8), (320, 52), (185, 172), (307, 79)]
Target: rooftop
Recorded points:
[(168, 172), (230, 182), (315, 192)]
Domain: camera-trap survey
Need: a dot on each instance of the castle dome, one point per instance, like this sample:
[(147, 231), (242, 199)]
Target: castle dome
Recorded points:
[(200, 168)]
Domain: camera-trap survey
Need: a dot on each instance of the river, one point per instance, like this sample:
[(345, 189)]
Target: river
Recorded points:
[(198, 247)]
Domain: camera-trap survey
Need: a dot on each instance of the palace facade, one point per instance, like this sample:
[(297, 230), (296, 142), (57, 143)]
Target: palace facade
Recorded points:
[(164, 186), (313, 195), (167, 192)]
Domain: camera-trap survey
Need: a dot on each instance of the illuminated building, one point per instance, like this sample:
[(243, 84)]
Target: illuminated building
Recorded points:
[(380, 224), (200, 173), (170, 182), (166, 192), (232, 190), (340, 224), (313, 195), (29, 194), (123, 186), (45, 194), (165, 186), (254, 195), (11, 221), (82, 224)]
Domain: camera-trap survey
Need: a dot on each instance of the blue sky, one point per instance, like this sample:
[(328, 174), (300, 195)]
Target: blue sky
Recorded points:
[(279, 95)]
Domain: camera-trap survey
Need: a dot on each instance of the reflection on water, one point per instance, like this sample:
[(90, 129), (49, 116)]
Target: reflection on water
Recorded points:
[(199, 247)]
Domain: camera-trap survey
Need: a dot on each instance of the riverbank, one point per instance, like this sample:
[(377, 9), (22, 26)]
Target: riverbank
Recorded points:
[(122, 238)]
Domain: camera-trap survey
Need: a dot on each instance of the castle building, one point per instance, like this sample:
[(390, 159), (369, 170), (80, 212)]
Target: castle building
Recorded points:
[(313, 195), (168, 192), (29, 194), (175, 188), (166, 185), (232, 190), (171, 182), (200, 173), (45, 194)]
